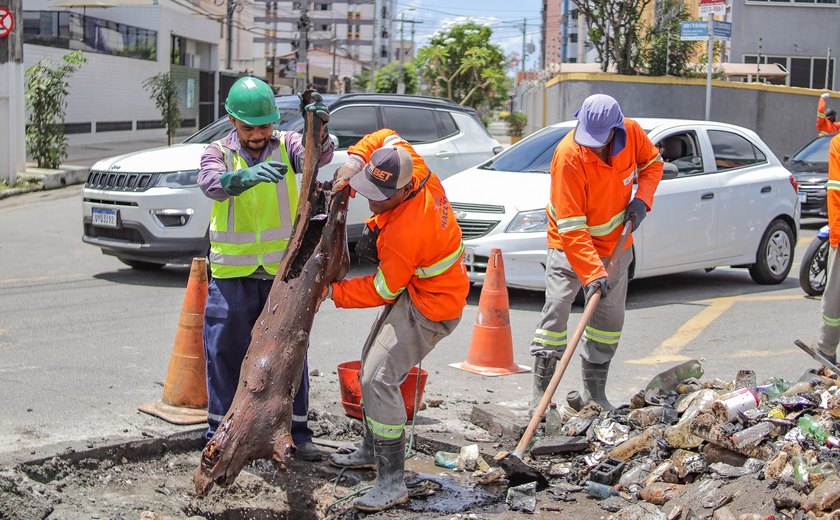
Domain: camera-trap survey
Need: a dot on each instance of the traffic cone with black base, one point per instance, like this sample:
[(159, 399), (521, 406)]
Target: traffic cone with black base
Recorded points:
[(491, 347), (184, 398)]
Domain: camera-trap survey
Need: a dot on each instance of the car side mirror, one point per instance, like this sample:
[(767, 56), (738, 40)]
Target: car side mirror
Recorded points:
[(786, 158), (669, 171), (334, 140), (498, 149)]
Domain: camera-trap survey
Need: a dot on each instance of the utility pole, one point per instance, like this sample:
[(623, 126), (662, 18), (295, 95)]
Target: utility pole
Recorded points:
[(400, 79), (334, 50), (709, 66), (827, 67), (302, 65), (758, 63), (231, 6), (374, 52), (524, 30), (12, 94)]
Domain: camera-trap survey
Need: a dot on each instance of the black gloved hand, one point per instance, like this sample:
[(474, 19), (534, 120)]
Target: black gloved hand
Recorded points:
[(598, 284), (635, 211)]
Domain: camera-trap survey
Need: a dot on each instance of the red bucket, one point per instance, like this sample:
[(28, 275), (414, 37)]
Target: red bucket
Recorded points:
[(351, 388)]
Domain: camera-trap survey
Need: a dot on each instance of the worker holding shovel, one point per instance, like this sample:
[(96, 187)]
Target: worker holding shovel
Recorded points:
[(420, 284), (592, 179)]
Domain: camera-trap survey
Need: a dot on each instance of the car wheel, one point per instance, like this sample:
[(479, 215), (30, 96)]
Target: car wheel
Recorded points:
[(774, 257), (140, 265)]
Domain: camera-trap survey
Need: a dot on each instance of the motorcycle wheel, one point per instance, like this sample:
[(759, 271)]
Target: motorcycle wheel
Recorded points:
[(812, 271)]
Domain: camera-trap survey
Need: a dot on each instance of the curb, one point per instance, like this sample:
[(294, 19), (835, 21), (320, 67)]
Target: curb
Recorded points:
[(50, 179)]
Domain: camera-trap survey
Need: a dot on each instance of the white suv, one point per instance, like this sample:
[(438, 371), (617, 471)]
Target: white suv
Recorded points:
[(146, 209)]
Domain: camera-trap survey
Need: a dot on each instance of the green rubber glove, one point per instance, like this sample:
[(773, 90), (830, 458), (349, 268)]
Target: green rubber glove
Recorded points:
[(235, 183), (318, 107)]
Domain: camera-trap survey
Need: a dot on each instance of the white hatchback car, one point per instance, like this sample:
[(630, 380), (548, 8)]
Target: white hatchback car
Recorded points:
[(724, 200), (146, 209)]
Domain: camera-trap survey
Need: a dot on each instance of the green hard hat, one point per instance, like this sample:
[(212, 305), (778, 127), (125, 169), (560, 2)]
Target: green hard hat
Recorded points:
[(251, 101)]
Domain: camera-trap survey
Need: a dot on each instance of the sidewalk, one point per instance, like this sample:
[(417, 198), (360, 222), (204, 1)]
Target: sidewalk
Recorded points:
[(75, 168)]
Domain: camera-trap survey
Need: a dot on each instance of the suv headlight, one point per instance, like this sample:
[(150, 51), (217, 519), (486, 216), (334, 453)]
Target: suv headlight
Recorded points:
[(183, 179), (529, 222)]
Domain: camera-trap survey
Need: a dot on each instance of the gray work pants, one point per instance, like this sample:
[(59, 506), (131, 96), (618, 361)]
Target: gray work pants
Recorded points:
[(600, 339), (830, 326), (399, 339)]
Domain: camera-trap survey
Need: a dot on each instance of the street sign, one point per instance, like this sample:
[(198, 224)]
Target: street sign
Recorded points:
[(696, 31), (7, 22), (300, 70), (712, 7)]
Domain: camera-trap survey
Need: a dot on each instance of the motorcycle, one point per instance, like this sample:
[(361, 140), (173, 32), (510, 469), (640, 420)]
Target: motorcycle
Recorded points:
[(813, 271)]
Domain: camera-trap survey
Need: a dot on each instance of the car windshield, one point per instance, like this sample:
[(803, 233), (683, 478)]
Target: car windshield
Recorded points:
[(814, 152), (530, 155), (290, 119)]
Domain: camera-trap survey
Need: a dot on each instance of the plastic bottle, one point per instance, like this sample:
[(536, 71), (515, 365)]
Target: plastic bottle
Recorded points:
[(553, 421), (671, 378), (636, 474), (633, 445), (774, 388), (812, 428), (599, 490)]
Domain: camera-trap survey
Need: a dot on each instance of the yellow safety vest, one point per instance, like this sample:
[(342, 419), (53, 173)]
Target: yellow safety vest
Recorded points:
[(253, 229)]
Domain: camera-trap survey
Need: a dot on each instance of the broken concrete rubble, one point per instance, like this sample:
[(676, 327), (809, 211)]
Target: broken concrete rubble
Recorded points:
[(714, 441)]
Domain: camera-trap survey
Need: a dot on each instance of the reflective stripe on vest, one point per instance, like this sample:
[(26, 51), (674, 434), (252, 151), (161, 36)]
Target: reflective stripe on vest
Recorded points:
[(252, 229), (430, 271)]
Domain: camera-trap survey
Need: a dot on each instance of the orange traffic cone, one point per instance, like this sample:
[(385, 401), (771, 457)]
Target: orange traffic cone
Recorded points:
[(491, 348), (185, 389)]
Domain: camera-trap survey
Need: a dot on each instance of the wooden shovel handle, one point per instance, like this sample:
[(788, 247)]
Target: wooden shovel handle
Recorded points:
[(560, 369)]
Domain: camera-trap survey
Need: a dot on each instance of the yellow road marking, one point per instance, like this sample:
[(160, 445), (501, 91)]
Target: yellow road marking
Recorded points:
[(804, 241), (77, 276), (669, 350)]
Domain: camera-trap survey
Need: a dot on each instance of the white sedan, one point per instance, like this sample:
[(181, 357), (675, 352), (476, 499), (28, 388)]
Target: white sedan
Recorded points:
[(724, 200)]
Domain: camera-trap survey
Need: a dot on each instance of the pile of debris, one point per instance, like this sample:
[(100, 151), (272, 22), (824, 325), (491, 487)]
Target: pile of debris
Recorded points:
[(682, 439)]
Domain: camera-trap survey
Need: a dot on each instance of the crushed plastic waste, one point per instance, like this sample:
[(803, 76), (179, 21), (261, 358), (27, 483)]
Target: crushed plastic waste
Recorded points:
[(681, 431)]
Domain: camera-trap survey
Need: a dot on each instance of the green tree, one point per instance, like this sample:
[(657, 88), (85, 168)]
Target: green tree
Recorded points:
[(387, 78), (360, 81), (662, 45), (461, 64), (47, 87), (614, 30), (165, 95)]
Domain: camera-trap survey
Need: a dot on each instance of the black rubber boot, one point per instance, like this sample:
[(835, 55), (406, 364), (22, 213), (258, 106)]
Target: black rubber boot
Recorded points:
[(308, 451), (543, 370), (361, 458), (595, 383), (389, 489)]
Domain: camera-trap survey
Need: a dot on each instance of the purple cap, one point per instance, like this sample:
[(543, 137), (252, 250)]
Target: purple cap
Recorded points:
[(389, 170), (598, 115)]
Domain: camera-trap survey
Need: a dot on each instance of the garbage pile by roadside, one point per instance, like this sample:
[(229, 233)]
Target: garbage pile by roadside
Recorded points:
[(680, 440)]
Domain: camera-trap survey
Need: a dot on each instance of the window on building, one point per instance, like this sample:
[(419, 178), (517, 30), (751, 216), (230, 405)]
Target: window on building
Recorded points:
[(322, 7), (323, 27), (807, 72), (296, 5), (573, 38), (178, 51)]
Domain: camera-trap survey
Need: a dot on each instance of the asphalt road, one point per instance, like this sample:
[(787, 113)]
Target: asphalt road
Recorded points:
[(85, 339)]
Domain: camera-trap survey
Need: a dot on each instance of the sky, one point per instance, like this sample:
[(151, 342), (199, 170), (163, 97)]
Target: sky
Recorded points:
[(504, 16)]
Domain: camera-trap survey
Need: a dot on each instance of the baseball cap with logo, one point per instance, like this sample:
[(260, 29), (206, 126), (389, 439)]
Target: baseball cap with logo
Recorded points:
[(390, 169), (597, 117)]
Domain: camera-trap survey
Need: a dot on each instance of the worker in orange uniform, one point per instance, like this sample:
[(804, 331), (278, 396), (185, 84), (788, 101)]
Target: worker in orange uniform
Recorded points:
[(420, 283), (825, 118), (593, 173), (830, 326)]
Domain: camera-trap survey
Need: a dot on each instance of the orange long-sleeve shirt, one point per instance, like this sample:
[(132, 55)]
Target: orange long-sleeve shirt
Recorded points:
[(419, 246), (833, 191), (588, 197), (824, 126)]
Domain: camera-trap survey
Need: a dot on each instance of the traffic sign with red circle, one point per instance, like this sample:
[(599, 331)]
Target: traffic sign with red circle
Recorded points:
[(7, 22)]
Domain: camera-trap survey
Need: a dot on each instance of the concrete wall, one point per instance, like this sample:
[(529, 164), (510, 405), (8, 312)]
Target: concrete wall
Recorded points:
[(784, 117), (785, 29)]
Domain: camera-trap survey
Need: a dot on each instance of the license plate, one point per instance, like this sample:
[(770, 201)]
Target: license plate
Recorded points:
[(469, 257), (105, 217), (803, 197)]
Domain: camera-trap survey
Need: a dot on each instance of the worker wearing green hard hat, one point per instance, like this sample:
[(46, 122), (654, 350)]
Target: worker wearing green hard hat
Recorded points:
[(252, 102)]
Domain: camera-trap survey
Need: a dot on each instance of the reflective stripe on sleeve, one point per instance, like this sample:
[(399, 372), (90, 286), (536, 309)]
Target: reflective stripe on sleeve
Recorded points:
[(382, 287), (565, 225), (393, 139), (608, 227), (441, 266), (658, 158), (832, 185)]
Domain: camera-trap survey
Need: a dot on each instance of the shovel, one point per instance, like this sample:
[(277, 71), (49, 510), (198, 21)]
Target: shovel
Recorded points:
[(518, 472)]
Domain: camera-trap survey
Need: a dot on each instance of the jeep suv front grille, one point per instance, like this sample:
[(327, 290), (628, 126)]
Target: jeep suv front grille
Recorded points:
[(115, 181)]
